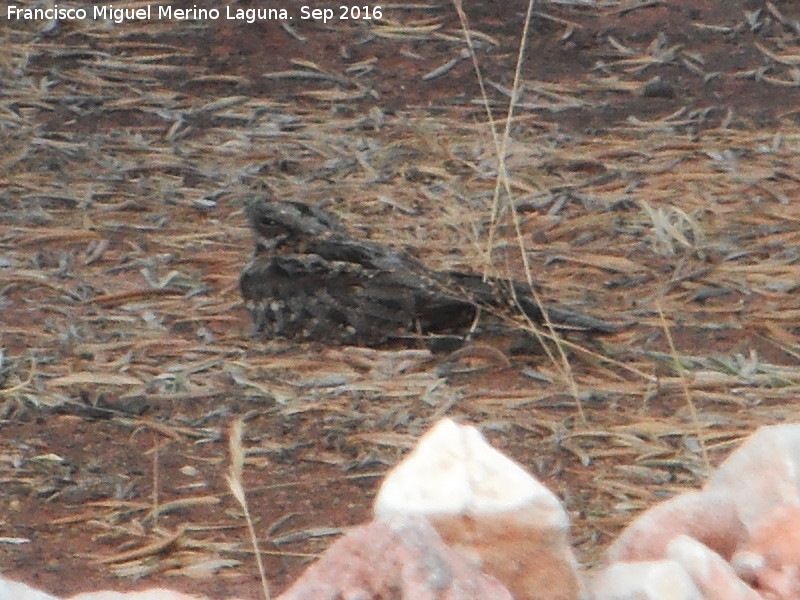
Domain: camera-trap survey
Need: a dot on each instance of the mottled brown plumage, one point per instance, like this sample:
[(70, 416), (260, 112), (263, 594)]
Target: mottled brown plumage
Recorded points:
[(310, 280)]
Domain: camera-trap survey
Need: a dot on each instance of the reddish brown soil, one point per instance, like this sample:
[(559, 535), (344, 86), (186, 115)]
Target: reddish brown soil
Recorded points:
[(79, 470)]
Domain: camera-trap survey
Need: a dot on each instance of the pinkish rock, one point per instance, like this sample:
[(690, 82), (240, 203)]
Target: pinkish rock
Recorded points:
[(762, 475), (487, 507), (710, 518), (401, 558), (534, 562), (644, 580), (770, 561), (713, 576), (152, 594)]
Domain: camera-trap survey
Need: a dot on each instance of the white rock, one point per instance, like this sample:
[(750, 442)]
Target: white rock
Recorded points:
[(14, 590), (453, 469), (487, 507), (645, 580), (712, 575), (761, 475)]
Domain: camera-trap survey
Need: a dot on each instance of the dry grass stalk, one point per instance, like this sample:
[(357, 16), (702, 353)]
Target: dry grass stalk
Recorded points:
[(502, 180), (684, 384), (234, 479)]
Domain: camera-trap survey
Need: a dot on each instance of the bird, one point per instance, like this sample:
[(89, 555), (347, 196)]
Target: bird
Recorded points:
[(309, 279)]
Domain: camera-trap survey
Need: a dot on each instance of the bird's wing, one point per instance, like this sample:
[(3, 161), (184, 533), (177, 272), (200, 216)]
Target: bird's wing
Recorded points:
[(370, 255), (498, 293)]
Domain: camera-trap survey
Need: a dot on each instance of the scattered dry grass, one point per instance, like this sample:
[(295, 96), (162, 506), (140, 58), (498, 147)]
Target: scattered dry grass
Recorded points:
[(125, 166)]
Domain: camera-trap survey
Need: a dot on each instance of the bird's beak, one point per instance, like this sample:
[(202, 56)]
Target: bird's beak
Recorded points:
[(266, 245)]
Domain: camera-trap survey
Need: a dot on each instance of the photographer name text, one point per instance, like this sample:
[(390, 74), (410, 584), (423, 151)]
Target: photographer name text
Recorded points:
[(161, 12)]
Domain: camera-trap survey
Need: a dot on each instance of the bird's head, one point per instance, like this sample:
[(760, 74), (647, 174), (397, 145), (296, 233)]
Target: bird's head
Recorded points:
[(279, 221)]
